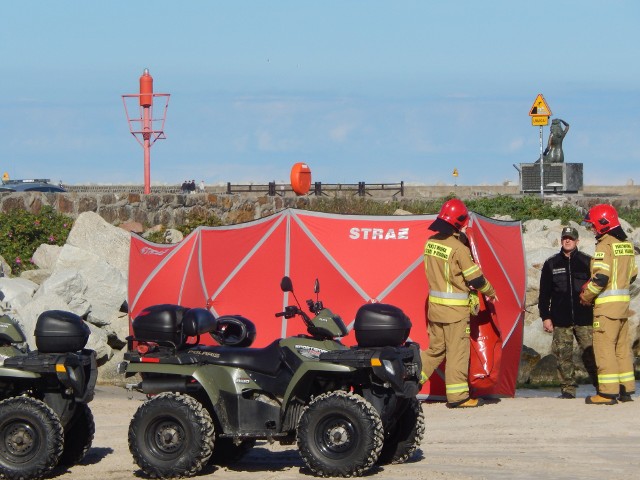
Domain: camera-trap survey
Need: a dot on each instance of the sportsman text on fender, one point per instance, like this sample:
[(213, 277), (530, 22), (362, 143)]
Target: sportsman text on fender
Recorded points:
[(379, 233)]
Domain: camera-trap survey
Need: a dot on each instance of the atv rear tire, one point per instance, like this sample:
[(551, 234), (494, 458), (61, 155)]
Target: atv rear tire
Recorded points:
[(78, 435), (226, 452), (171, 435), (31, 438), (340, 434), (404, 436)]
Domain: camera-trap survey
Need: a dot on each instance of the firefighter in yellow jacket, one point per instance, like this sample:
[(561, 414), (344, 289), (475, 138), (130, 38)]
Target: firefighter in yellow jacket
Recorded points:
[(613, 269), (451, 273)]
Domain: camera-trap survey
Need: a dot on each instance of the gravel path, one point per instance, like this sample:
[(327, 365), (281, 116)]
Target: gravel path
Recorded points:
[(514, 438)]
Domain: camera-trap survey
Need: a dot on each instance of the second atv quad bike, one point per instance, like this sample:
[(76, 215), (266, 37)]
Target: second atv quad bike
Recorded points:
[(44, 416), (348, 409)]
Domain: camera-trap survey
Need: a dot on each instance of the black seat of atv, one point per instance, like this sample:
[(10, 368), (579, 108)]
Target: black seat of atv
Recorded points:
[(264, 360)]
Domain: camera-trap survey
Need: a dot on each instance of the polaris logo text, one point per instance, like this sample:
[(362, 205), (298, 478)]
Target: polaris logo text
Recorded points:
[(379, 233)]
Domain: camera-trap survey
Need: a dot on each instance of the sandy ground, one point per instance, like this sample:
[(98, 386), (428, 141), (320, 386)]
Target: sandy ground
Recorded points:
[(514, 438)]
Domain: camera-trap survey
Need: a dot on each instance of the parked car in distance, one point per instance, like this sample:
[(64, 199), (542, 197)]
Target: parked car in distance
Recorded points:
[(29, 185)]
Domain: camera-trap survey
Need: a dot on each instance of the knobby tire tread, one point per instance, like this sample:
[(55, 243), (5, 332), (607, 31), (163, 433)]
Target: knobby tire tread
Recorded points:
[(79, 436), (52, 441), (195, 415), (406, 436), (358, 406)]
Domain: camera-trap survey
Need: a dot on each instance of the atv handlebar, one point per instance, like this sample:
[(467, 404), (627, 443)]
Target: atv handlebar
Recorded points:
[(291, 311)]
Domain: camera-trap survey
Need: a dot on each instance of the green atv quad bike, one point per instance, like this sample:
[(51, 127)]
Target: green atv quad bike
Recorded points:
[(348, 409), (44, 417)]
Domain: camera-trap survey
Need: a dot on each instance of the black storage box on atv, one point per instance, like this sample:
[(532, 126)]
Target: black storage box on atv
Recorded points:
[(160, 323), (381, 325), (58, 331)]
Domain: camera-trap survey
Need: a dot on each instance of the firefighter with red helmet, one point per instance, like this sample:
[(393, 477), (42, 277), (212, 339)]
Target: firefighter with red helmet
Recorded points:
[(451, 274), (613, 269)]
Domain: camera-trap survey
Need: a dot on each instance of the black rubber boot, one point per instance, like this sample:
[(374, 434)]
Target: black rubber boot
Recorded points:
[(624, 395), (567, 395)]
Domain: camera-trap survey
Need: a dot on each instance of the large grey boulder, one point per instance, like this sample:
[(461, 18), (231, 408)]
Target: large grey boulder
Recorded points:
[(98, 342), (38, 276), (171, 235), (16, 292), (106, 286), (46, 255), (545, 372), (117, 330), (5, 268), (87, 276), (70, 285), (93, 234), (528, 359), (107, 373)]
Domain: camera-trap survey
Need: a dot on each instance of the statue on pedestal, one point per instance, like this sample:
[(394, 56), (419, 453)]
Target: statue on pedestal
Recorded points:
[(553, 153)]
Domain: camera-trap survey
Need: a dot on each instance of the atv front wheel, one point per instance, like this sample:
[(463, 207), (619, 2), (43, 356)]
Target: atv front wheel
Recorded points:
[(171, 435), (78, 435), (31, 438), (404, 436), (340, 434)]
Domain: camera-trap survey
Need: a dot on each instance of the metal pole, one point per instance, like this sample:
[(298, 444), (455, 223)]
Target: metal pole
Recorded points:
[(541, 167), (146, 127)]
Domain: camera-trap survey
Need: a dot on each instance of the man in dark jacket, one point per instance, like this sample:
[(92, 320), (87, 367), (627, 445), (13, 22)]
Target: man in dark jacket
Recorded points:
[(563, 276)]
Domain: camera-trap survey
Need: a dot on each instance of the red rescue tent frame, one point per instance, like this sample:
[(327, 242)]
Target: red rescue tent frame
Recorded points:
[(237, 269)]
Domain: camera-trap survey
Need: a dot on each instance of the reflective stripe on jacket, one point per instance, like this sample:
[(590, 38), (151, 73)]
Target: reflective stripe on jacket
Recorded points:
[(449, 267), (614, 259)]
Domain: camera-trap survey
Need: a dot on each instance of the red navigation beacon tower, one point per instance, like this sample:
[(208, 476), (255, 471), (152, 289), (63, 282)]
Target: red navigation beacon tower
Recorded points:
[(147, 129)]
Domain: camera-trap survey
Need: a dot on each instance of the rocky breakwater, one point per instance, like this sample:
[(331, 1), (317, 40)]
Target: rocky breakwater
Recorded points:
[(541, 240), (89, 274)]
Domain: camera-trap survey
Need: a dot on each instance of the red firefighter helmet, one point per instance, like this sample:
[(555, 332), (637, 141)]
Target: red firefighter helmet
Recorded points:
[(603, 218), (455, 213)]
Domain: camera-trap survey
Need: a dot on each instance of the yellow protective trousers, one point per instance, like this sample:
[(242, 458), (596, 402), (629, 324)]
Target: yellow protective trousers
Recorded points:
[(612, 349), (450, 341)]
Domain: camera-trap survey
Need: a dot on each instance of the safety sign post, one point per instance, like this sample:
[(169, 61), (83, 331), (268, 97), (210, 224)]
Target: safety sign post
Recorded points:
[(540, 113)]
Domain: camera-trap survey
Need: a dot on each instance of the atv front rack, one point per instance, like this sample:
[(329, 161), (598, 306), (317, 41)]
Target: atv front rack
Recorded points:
[(398, 366)]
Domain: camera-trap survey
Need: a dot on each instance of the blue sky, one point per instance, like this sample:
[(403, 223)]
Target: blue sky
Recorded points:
[(374, 91)]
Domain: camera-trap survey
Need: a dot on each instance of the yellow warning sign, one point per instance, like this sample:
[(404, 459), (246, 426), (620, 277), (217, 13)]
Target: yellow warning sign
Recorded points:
[(540, 108), (539, 121)]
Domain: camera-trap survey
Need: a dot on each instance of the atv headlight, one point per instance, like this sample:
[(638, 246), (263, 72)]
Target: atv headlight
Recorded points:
[(389, 367)]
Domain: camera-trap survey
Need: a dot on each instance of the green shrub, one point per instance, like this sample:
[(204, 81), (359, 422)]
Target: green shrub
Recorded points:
[(157, 237), (524, 208), (631, 215), (195, 218), (198, 218), (21, 233)]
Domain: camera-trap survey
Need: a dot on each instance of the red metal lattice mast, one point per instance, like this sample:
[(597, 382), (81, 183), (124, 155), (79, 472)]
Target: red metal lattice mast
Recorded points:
[(146, 129)]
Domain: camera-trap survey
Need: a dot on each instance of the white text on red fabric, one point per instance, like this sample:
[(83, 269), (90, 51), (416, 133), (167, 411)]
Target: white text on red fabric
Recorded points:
[(153, 251), (379, 233)]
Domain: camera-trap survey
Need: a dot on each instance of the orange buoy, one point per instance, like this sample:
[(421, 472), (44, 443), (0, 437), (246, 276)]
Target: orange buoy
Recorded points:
[(301, 178), (146, 89)]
